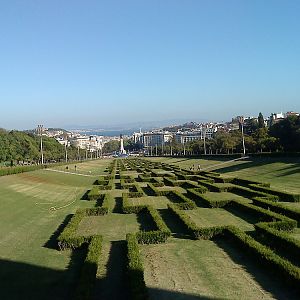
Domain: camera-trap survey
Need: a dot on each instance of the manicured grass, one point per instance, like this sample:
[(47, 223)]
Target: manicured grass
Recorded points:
[(31, 266), (206, 217), (113, 227), (283, 172), (182, 269), (157, 202)]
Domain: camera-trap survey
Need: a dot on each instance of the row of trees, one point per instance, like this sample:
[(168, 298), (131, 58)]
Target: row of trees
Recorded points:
[(282, 136), (21, 146)]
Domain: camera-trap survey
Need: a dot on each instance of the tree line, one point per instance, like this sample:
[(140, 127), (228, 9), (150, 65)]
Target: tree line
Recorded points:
[(25, 147)]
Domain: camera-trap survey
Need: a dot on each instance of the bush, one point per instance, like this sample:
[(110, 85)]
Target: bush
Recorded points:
[(156, 236), (247, 182), (185, 203), (130, 209), (194, 194), (283, 196), (284, 269), (135, 269), (195, 231), (89, 270), (279, 240), (278, 208), (68, 239), (94, 194)]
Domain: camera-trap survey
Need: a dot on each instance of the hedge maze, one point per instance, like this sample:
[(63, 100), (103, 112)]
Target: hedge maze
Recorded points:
[(178, 192)]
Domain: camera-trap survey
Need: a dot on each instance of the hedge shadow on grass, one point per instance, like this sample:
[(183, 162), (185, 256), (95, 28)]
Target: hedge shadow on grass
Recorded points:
[(85, 195), (145, 221), (177, 228), (115, 284), (118, 208), (26, 281), (242, 215), (262, 275), (52, 242)]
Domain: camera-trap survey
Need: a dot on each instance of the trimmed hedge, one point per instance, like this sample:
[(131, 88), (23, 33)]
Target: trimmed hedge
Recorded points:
[(249, 193), (195, 195), (276, 220), (156, 191), (279, 240), (286, 270), (278, 208), (89, 270), (185, 203), (283, 196), (68, 239), (135, 191), (247, 182), (156, 236), (94, 194), (130, 209), (195, 231), (135, 269)]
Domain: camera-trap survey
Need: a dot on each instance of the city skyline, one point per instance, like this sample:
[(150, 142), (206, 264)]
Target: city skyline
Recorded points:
[(71, 63)]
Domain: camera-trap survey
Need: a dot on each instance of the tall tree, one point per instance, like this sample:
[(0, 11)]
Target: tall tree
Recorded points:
[(261, 121)]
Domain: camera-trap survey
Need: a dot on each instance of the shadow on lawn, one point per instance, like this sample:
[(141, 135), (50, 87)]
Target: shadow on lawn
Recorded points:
[(25, 281), (146, 222), (52, 242), (261, 274), (174, 224)]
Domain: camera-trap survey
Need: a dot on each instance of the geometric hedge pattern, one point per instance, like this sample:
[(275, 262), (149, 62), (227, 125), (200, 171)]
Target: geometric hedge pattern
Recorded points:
[(141, 182)]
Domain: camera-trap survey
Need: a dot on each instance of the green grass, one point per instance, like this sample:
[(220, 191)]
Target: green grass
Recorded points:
[(33, 268), (113, 227), (182, 269), (27, 224), (283, 173), (206, 217), (157, 202)]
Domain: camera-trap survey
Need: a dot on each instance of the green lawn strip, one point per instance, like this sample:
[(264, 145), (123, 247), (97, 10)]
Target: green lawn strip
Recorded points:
[(198, 269), (208, 217)]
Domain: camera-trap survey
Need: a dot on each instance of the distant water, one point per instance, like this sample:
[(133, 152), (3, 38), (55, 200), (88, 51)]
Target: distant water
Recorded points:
[(110, 132)]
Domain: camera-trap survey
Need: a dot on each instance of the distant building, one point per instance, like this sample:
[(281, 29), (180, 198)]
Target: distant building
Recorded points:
[(156, 138)]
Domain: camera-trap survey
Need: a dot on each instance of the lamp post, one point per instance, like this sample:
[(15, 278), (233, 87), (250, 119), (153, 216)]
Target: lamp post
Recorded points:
[(40, 133), (241, 120)]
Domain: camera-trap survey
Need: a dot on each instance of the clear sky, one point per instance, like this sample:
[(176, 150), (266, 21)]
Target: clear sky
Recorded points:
[(107, 62)]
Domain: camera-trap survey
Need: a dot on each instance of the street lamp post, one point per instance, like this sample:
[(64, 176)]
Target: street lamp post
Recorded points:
[(40, 133), (243, 137)]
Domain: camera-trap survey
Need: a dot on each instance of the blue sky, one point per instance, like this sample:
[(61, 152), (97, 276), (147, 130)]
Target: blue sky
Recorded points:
[(108, 62)]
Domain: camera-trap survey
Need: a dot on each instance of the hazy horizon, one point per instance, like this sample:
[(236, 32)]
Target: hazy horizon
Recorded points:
[(72, 62)]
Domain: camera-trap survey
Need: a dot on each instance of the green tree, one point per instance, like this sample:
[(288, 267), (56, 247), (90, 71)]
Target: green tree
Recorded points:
[(261, 121)]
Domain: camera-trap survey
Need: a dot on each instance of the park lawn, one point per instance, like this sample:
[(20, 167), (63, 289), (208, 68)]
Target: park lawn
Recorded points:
[(283, 172), (181, 269), (158, 202), (94, 167), (113, 227), (206, 217), (31, 265)]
